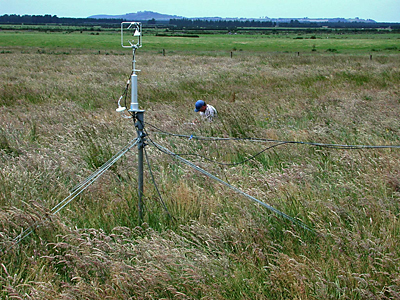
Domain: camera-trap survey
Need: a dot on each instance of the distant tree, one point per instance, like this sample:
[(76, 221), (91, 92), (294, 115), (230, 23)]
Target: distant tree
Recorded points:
[(152, 21)]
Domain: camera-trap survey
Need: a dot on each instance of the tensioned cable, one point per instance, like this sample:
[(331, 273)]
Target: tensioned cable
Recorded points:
[(77, 190), (337, 146), (231, 164), (155, 185), (276, 211), (105, 165), (93, 177)]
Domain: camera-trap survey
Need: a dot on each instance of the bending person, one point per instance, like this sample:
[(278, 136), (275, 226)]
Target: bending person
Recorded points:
[(207, 111)]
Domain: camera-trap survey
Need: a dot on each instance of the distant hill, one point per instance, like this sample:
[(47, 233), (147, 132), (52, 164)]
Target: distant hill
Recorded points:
[(139, 16)]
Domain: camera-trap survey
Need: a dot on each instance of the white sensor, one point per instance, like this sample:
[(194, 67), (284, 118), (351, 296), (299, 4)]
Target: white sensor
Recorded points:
[(120, 109)]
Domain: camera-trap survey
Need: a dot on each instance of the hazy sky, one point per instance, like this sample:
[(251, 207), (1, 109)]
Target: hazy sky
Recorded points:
[(378, 10)]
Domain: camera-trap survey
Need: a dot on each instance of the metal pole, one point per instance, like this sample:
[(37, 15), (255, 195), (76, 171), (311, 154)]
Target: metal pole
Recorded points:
[(134, 98), (141, 143), (134, 108)]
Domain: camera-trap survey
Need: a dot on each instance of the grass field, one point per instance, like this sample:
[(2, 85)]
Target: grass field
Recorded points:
[(58, 125), (109, 41)]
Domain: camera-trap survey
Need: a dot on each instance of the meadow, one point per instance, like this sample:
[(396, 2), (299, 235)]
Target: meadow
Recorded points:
[(304, 41), (58, 125)]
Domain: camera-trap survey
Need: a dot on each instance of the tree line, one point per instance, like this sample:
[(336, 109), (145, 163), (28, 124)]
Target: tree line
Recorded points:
[(49, 19), (219, 24), (233, 24)]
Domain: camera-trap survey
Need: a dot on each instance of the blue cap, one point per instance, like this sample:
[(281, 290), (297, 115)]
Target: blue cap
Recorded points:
[(199, 104)]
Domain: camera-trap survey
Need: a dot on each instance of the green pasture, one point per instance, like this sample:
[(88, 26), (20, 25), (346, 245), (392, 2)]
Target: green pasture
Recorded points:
[(301, 42)]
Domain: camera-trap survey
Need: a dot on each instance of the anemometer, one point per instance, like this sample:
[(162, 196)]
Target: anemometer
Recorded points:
[(136, 27)]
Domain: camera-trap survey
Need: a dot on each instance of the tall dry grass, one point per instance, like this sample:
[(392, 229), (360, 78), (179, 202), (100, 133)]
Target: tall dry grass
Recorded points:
[(58, 124)]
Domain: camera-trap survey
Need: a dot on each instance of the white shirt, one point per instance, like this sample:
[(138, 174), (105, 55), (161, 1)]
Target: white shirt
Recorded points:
[(210, 113)]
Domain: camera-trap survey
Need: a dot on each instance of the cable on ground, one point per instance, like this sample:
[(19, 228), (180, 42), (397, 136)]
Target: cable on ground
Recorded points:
[(252, 139)]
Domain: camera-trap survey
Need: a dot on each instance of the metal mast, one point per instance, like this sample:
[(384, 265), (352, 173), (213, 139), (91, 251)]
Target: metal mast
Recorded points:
[(134, 110)]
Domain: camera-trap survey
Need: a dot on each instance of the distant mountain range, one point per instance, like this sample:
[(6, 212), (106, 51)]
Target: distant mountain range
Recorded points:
[(149, 15), (141, 15)]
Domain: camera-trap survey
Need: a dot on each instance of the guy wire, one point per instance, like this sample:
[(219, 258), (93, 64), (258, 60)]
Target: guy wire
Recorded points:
[(276, 211), (156, 187), (76, 191)]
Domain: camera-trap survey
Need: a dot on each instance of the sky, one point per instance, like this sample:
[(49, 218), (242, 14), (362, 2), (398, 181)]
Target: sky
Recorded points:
[(378, 10)]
